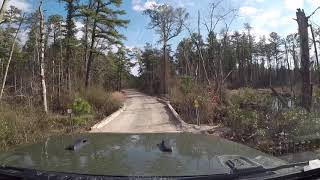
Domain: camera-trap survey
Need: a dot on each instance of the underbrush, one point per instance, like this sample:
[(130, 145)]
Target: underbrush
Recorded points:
[(252, 122), (22, 124), (103, 103), (187, 98), (250, 116)]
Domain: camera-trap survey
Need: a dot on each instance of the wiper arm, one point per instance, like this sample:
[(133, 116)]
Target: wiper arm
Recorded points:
[(260, 169), (242, 167)]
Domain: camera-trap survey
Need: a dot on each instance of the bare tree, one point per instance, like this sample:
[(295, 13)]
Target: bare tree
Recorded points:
[(41, 55), (168, 23)]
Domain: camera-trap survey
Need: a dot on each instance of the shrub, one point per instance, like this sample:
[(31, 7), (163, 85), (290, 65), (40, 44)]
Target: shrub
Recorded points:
[(81, 120), (289, 121), (209, 112), (21, 125), (118, 97), (243, 122), (186, 84), (103, 102), (251, 96), (81, 106), (63, 103)]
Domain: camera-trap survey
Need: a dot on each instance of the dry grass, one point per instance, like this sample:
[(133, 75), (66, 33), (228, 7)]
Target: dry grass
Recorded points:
[(21, 124), (103, 102), (118, 96)]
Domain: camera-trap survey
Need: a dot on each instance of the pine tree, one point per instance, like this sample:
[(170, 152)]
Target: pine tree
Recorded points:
[(105, 22)]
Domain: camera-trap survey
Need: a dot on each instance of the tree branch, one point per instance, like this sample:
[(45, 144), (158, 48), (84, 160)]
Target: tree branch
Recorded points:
[(313, 12)]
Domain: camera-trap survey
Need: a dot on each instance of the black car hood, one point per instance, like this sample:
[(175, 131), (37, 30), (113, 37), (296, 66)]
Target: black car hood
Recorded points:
[(133, 155)]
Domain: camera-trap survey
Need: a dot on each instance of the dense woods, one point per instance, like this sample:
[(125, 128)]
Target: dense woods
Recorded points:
[(53, 62), (54, 70)]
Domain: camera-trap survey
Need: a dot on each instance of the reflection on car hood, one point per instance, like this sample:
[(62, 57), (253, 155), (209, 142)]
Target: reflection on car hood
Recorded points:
[(133, 155)]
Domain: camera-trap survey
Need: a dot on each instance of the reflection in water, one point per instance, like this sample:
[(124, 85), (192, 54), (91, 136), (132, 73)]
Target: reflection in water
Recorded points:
[(277, 104), (83, 161), (27, 161), (121, 154)]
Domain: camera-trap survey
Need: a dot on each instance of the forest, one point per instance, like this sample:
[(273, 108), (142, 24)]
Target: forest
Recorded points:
[(263, 91)]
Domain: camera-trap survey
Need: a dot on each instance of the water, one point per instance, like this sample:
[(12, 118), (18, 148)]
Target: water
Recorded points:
[(277, 104)]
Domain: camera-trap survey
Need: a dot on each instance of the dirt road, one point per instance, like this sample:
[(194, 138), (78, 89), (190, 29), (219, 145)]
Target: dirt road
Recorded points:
[(142, 114)]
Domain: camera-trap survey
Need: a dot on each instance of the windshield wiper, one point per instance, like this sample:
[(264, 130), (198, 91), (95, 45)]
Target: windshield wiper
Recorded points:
[(301, 169)]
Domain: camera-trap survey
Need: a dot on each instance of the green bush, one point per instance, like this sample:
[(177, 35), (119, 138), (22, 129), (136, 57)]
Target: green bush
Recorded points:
[(186, 84), (290, 120), (251, 96), (242, 121), (80, 120), (81, 106)]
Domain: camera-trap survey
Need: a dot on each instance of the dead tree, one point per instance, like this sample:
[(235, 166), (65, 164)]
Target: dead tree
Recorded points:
[(42, 64), (306, 90), (315, 49), (288, 65), (10, 58)]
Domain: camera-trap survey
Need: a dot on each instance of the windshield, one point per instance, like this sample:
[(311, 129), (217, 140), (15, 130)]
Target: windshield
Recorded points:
[(149, 76)]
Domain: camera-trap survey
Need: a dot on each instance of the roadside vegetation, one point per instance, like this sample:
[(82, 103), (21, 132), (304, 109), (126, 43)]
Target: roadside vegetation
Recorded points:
[(21, 124)]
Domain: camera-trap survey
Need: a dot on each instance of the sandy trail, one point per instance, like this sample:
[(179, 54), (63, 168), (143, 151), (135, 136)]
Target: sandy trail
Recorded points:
[(143, 114)]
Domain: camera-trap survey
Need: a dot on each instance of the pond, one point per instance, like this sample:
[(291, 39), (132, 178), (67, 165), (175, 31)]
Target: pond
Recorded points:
[(277, 105)]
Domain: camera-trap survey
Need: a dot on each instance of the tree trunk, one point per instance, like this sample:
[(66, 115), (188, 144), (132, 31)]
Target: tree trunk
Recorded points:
[(42, 64), (69, 36), (10, 58), (288, 66), (90, 58), (305, 61), (85, 56), (315, 51), (164, 70), (86, 32), (200, 51), (3, 9)]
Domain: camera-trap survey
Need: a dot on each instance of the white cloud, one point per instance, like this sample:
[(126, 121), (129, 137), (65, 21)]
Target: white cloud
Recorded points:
[(23, 5), (79, 25), (249, 1), (268, 18), (294, 4), (137, 5), (23, 36), (248, 10), (258, 32), (314, 3), (183, 3)]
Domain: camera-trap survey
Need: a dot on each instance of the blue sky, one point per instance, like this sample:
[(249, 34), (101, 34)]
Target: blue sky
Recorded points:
[(264, 16)]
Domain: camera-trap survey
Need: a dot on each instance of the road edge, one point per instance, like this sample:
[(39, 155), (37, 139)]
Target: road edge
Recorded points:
[(186, 127), (182, 123), (108, 119)]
